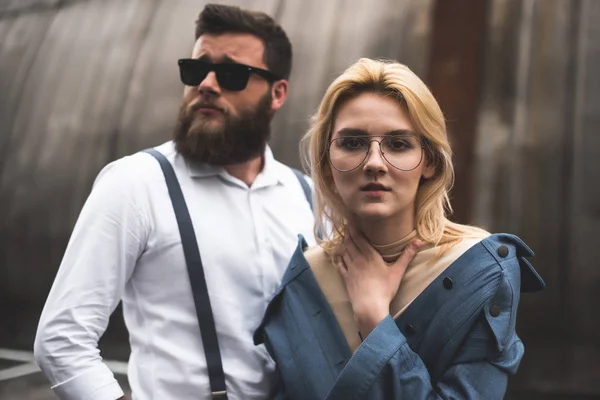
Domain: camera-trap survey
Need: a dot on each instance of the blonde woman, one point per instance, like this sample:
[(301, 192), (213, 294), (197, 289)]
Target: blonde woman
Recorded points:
[(358, 317)]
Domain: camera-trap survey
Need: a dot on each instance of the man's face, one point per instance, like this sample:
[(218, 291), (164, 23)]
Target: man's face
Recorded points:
[(220, 126)]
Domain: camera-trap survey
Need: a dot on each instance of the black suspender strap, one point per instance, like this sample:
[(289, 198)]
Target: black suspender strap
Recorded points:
[(305, 186), (196, 272), (307, 193)]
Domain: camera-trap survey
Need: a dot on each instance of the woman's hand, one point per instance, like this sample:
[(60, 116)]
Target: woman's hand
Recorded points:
[(370, 281)]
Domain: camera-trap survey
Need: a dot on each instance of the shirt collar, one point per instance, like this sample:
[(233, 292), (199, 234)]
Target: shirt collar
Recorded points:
[(271, 174)]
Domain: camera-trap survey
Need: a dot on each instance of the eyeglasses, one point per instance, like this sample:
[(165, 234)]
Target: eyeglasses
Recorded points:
[(230, 76), (402, 151)]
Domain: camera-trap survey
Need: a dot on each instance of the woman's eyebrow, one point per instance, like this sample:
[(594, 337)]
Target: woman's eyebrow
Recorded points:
[(352, 132), (362, 132), (400, 132)]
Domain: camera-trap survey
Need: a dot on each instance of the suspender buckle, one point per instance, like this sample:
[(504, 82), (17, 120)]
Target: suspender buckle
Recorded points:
[(221, 394)]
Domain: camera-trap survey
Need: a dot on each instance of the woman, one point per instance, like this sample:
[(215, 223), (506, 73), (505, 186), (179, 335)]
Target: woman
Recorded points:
[(351, 320)]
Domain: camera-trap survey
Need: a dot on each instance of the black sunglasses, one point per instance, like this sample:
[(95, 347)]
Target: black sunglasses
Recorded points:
[(230, 76)]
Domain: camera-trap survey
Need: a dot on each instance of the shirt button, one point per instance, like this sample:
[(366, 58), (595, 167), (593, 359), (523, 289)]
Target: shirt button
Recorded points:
[(448, 284), (502, 251), (495, 310)]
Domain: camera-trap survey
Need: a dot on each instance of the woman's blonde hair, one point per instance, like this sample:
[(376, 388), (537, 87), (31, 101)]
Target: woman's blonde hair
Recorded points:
[(392, 79)]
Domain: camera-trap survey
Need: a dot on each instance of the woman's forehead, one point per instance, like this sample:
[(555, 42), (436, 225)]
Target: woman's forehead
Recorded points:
[(372, 113)]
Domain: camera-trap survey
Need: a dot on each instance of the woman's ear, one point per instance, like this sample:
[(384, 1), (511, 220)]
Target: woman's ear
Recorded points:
[(428, 171)]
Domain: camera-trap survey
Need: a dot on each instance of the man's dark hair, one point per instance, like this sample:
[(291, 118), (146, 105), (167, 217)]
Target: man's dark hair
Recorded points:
[(216, 19)]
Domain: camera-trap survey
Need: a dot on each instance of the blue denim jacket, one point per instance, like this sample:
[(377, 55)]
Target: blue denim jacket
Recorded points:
[(454, 341)]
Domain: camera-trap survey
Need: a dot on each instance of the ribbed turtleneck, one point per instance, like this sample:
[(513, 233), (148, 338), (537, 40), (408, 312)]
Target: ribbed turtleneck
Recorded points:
[(392, 251)]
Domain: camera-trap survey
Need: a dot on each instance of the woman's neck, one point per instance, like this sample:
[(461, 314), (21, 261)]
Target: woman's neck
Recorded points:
[(386, 230)]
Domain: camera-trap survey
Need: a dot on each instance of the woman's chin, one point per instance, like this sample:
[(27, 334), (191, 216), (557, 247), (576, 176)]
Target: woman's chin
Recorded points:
[(373, 212)]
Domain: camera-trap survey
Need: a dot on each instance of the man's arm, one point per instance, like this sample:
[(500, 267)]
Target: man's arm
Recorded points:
[(108, 238)]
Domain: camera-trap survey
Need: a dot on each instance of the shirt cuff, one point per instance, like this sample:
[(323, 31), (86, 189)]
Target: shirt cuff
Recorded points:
[(382, 343), (365, 366), (97, 383)]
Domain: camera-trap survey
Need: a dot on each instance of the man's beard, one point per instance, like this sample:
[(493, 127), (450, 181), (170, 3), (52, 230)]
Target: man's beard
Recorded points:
[(237, 140)]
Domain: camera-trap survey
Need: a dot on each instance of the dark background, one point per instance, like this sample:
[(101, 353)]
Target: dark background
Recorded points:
[(85, 82)]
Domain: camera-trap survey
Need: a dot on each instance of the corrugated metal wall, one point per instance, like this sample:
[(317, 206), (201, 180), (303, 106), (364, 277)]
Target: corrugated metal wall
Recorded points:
[(538, 163), (85, 82)]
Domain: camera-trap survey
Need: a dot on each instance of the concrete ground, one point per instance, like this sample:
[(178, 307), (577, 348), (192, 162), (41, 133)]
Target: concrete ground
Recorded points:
[(21, 378)]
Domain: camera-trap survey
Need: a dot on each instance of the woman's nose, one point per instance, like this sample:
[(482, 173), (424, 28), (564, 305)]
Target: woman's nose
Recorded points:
[(375, 160)]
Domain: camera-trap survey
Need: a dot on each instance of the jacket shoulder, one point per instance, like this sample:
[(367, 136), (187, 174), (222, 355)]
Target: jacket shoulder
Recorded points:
[(510, 250)]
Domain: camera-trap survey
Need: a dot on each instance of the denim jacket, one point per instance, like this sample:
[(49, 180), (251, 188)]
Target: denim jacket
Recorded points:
[(456, 340)]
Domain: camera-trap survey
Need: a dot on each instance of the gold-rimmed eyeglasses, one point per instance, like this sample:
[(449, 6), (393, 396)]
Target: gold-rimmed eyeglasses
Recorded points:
[(402, 151)]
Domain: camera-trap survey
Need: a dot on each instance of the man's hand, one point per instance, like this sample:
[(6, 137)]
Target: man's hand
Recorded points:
[(370, 281)]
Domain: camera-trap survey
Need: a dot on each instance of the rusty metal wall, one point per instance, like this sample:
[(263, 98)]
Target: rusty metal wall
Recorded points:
[(538, 168)]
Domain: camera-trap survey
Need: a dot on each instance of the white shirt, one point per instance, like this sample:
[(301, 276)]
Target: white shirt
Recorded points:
[(126, 245)]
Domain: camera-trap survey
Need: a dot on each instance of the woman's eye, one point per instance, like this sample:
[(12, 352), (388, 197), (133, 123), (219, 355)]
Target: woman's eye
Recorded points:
[(352, 143), (397, 144)]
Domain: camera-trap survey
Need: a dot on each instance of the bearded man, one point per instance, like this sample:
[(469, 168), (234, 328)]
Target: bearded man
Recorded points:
[(246, 210)]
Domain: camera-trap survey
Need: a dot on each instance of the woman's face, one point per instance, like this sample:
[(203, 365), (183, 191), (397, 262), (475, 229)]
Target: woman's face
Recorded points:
[(376, 188)]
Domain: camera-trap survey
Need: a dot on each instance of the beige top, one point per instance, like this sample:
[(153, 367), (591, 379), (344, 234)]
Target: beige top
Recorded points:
[(424, 268)]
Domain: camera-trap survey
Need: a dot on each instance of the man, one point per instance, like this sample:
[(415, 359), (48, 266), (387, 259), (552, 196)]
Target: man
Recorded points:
[(246, 208)]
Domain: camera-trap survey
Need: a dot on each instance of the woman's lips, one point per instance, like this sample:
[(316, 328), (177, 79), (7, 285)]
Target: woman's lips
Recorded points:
[(375, 189), (375, 193)]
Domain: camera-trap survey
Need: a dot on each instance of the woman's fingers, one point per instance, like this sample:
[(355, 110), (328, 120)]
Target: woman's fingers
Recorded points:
[(339, 262), (409, 252), (360, 241), (350, 249)]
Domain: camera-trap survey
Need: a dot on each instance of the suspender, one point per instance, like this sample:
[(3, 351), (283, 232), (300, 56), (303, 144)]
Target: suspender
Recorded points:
[(195, 269), (308, 194), (305, 186), (206, 321)]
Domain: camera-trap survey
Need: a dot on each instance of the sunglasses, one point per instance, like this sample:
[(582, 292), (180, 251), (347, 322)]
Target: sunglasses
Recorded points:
[(230, 76)]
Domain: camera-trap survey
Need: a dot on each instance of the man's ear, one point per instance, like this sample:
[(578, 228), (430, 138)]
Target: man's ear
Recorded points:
[(279, 92)]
